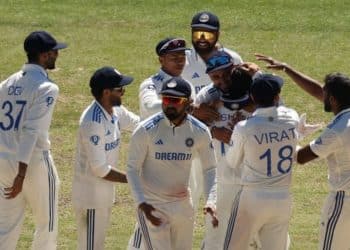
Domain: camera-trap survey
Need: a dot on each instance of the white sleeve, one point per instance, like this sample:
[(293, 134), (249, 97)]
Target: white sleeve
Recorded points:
[(92, 136), (128, 120), (208, 162), (37, 120), (327, 143), (138, 149), (235, 154), (236, 57), (149, 101)]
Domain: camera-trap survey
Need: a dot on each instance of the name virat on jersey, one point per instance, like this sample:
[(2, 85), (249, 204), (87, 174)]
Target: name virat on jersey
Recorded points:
[(275, 136)]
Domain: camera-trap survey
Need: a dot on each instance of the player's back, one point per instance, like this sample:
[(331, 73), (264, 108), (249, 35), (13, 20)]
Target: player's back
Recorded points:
[(270, 141)]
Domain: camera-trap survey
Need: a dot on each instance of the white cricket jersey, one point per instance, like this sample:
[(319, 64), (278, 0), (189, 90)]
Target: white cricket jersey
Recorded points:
[(195, 68), (149, 98), (211, 94), (265, 144), (27, 100), (97, 152), (334, 144), (160, 159)]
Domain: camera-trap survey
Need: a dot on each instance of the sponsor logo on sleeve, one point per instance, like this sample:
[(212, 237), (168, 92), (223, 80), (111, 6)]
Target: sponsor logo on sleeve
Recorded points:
[(94, 139)]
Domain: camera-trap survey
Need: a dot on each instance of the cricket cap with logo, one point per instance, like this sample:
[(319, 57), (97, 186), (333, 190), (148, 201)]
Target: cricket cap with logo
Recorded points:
[(176, 87), (207, 20), (41, 41), (218, 60), (108, 78)]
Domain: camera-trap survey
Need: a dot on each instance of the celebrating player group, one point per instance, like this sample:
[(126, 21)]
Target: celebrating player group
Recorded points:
[(210, 126)]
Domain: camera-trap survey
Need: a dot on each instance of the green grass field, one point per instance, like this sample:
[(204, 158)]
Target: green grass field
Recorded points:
[(312, 35)]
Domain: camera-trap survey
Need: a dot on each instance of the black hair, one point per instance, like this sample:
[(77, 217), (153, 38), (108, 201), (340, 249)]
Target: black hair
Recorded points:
[(338, 85), (97, 93), (241, 82), (33, 57)]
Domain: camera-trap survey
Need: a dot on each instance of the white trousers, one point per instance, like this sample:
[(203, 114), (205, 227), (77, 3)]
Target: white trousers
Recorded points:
[(264, 212), (214, 237), (92, 225), (40, 192), (335, 222), (176, 231)]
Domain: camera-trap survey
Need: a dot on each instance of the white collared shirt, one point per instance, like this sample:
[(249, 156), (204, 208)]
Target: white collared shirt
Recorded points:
[(160, 159), (97, 152), (149, 98), (265, 144), (27, 100), (334, 145)]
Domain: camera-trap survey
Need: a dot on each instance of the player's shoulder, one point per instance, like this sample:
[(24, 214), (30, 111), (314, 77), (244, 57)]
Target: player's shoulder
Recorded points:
[(207, 94), (236, 57), (196, 124), (341, 121), (286, 111), (152, 121), (93, 114)]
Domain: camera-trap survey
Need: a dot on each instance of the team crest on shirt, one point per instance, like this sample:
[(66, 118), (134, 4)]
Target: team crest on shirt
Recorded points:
[(189, 142), (49, 100), (94, 139)]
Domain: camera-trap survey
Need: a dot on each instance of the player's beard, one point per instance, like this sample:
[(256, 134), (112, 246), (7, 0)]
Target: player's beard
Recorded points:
[(327, 105), (203, 50), (172, 114), (116, 102)]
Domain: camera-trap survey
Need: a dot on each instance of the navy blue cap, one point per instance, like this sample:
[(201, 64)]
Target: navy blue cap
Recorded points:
[(108, 78), (41, 41), (170, 44), (176, 87), (218, 60), (266, 85), (205, 19)]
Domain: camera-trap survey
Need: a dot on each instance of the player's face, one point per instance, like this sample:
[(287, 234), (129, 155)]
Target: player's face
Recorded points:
[(174, 107), (115, 97), (204, 40), (221, 78), (173, 63), (51, 59)]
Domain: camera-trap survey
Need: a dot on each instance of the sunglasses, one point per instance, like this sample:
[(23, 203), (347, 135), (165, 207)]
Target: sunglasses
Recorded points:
[(197, 35), (217, 61), (119, 89), (173, 100), (173, 45)]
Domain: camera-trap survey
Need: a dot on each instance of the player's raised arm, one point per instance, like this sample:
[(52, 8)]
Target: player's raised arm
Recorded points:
[(307, 83)]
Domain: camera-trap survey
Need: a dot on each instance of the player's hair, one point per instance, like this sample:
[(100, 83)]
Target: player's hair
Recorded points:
[(97, 93), (33, 57), (338, 85)]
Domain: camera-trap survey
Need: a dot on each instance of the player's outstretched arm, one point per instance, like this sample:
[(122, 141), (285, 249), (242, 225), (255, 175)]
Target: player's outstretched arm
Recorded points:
[(307, 83)]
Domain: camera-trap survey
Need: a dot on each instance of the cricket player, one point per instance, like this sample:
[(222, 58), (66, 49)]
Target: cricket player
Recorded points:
[(28, 174), (230, 92), (172, 59), (159, 169), (99, 138), (205, 32), (263, 148), (332, 145)]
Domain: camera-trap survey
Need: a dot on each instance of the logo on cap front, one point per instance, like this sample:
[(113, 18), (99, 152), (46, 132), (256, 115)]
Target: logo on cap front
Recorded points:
[(171, 84), (204, 18)]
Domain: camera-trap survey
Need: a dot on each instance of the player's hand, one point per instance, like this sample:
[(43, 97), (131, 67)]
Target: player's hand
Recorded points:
[(206, 113), (306, 129), (237, 117), (147, 210), (13, 191), (221, 134), (212, 212), (250, 68), (272, 63)]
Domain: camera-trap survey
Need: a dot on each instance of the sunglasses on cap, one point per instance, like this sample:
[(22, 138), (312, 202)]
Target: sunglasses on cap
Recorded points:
[(173, 45), (217, 61), (197, 35), (175, 100)]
